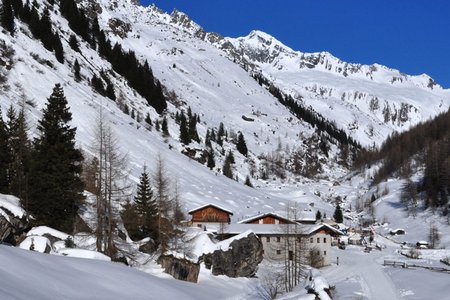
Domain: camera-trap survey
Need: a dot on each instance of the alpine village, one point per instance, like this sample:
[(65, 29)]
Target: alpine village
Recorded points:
[(142, 157)]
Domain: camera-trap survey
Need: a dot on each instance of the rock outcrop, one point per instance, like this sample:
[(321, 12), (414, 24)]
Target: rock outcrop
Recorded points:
[(240, 260), (180, 269), (12, 227)]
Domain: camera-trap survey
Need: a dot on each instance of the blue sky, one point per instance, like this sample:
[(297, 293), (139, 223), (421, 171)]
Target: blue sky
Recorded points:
[(410, 35)]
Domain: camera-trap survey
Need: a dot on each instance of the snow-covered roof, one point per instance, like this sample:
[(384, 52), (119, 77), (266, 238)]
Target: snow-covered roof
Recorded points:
[(316, 227), (260, 216), (303, 229), (307, 215), (210, 204)]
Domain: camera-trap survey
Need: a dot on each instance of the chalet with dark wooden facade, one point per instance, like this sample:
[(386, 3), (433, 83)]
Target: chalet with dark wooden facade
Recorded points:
[(267, 218), (210, 214)]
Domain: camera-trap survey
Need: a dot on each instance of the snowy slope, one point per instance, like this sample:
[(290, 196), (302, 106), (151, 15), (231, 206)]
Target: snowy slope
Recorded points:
[(217, 94), (30, 275), (355, 96)]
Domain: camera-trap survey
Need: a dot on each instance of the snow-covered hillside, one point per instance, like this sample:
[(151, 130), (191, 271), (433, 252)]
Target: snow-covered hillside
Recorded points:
[(32, 275), (368, 101), (198, 68)]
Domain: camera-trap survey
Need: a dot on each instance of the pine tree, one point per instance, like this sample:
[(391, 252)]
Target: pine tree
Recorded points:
[(58, 47), (146, 206), (184, 132), (20, 147), (208, 139), (131, 220), (230, 157), (211, 162), (241, 145), (248, 182), (55, 190), (165, 127), (7, 16), (318, 216), (192, 128), (227, 168), (76, 71), (73, 43), (148, 120), (5, 157), (220, 134), (338, 216)]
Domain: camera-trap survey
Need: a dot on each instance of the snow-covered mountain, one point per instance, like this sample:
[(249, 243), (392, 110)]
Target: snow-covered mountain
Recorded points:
[(213, 75)]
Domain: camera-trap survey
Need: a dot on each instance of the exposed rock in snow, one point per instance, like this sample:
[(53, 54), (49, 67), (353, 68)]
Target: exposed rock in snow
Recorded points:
[(241, 259), (181, 269)]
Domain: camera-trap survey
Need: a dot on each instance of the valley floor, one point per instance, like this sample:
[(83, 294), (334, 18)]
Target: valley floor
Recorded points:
[(362, 275)]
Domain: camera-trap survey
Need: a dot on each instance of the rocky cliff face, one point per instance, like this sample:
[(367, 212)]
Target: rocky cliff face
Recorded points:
[(241, 260), (180, 269), (12, 227)]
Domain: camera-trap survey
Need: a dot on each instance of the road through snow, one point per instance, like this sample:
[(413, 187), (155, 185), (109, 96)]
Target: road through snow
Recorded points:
[(365, 268)]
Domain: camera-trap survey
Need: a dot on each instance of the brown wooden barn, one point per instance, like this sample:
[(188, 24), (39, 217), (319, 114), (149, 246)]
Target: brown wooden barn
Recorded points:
[(267, 218), (210, 213)]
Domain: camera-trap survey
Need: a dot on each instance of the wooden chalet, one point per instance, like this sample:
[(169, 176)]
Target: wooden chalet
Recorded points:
[(208, 214), (266, 218)]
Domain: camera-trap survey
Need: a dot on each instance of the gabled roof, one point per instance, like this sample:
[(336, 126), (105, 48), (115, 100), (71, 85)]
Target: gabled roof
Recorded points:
[(260, 216), (212, 205), (306, 215), (279, 229), (317, 227)]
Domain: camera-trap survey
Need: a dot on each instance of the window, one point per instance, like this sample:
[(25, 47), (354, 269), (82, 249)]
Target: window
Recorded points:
[(324, 240), (318, 240), (268, 239), (278, 252), (324, 252), (311, 240), (291, 255), (278, 239), (299, 239)]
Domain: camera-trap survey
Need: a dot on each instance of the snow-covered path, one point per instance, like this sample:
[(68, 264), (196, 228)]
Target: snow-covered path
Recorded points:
[(367, 270)]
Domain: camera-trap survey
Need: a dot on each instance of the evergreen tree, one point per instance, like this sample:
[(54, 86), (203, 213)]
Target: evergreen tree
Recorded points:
[(227, 168), (146, 206), (193, 135), (220, 134), (208, 139), (55, 190), (5, 157), (211, 162), (318, 216), (241, 145), (58, 47), (230, 157), (165, 127), (184, 132), (131, 220), (7, 16), (157, 126), (76, 71), (338, 216), (248, 182), (73, 43), (19, 147), (148, 120)]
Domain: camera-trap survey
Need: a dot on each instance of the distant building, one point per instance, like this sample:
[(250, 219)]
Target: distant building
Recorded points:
[(210, 214), (307, 216), (266, 218), (282, 239)]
